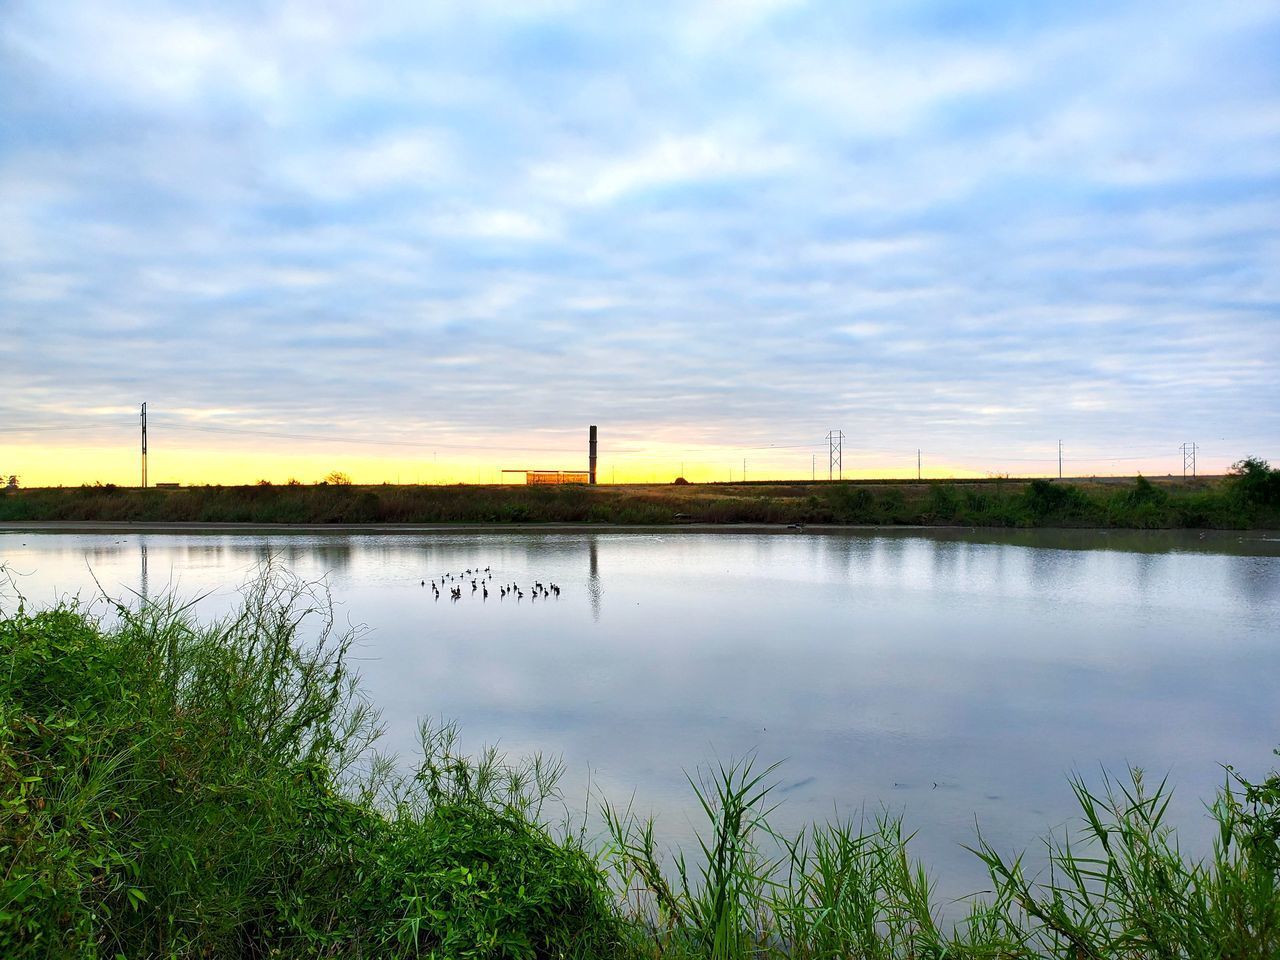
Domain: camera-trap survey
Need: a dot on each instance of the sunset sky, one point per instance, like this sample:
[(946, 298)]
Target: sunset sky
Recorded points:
[(428, 241)]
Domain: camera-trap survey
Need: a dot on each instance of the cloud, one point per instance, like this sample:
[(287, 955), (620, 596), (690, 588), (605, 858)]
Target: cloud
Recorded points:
[(672, 161), (930, 225)]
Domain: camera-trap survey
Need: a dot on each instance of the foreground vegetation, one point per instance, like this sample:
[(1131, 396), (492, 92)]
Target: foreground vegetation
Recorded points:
[(175, 790), (1248, 498)]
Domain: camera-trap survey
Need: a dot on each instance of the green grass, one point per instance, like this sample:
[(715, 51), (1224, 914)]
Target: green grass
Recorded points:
[(1246, 500), (172, 789)]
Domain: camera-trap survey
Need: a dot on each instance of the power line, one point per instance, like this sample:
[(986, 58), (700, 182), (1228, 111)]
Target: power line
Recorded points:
[(333, 438), (46, 429)]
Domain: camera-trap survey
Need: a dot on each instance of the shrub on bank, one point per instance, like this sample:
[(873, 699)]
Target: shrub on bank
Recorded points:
[(1254, 483), (174, 791)]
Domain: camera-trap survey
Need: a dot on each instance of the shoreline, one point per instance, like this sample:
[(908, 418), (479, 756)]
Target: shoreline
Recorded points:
[(195, 526), (1208, 538)]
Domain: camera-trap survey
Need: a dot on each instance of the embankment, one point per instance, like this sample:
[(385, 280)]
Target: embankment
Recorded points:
[(1223, 503)]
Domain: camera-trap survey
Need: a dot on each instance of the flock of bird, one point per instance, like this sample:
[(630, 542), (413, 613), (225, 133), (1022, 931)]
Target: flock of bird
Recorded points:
[(480, 581)]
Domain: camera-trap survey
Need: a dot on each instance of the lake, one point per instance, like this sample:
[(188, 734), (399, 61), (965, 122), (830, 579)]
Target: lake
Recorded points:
[(951, 676)]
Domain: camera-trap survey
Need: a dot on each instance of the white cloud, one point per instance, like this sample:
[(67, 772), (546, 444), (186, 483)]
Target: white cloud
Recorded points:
[(499, 225), (671, 161), (412, 159), (891, 92)]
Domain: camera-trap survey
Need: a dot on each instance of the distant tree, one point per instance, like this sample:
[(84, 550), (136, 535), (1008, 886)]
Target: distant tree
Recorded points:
[(337, 479), (680, 481), (13, 481), (1253, 481), (293, 482), (263, 483)]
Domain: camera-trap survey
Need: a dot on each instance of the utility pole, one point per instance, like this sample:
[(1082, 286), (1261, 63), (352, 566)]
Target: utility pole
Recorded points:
[(744, 469), (144, 446), (1059, 459), (835, 448), (813, 467), (1189, 459), (918, 475)]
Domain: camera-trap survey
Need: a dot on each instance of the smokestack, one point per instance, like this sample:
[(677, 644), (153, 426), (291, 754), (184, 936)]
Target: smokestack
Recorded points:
[(591, 456)]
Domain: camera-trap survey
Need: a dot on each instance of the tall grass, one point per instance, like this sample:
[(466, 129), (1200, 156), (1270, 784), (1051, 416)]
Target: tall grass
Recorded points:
[(1116, 887), (177, 789)]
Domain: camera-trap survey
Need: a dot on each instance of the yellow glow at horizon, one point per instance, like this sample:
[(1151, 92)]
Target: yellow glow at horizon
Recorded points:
[(276, 462)]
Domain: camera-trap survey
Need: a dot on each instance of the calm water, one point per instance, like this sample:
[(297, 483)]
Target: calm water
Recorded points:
[(945, 676)]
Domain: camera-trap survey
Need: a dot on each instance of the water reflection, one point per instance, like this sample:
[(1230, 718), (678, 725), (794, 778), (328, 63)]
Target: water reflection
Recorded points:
[(593, 577), (1257, 578), (948, 676)]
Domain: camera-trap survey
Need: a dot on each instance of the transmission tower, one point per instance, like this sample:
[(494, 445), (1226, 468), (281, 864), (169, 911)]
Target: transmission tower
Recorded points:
[(835, 447), (144, 446), (1189, 458)]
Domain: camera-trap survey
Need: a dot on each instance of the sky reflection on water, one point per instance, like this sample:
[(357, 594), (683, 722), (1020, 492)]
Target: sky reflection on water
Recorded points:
[(949, 676)]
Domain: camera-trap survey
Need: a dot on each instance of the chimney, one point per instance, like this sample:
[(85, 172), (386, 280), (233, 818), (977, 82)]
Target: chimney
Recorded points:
[(591, 457)]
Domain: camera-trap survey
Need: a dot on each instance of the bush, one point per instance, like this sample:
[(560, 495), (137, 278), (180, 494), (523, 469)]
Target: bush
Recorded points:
[(851, 504), (943, 502), (1045, 499), (1254, 483), (1144, 493)]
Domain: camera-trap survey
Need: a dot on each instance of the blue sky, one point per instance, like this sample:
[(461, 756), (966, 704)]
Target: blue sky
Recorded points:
[(972, 228)]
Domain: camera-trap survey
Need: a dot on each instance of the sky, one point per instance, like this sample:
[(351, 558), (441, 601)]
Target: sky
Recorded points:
[(424, 242)]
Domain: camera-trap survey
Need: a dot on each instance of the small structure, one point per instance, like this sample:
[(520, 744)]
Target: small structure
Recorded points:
[(555, 476), (535, 477), (588, 476)]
